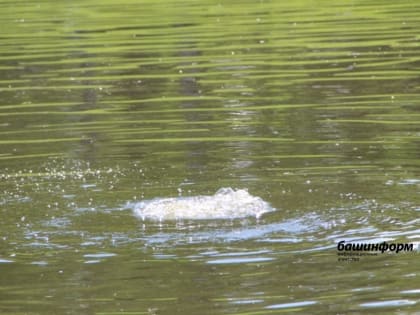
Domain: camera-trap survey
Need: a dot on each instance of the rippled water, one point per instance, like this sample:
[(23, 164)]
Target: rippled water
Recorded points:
[(313, 107)]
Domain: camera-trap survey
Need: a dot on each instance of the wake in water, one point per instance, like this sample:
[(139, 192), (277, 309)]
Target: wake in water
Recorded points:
[(226, 203)]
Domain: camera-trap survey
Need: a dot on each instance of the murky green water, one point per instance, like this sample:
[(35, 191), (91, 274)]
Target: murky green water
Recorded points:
[(311, 105)]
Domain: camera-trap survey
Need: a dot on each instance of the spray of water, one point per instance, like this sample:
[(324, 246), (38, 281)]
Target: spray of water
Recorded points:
[(226, 203)]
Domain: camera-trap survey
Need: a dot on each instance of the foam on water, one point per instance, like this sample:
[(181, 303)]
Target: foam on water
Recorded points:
[(226, 203)]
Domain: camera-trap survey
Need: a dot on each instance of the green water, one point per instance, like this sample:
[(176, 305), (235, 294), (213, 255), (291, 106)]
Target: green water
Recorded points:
[(311, 105)]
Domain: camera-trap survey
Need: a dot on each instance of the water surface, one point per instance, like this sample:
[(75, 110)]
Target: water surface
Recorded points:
[(311, 106)]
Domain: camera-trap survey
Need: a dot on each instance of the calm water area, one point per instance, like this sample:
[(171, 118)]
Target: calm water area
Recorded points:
[(313, 106)]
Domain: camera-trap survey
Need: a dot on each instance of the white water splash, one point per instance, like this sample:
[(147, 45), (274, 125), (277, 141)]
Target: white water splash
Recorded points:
[(226, 203)]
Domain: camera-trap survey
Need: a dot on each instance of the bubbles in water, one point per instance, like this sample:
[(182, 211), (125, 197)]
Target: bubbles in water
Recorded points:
[(226, 203)]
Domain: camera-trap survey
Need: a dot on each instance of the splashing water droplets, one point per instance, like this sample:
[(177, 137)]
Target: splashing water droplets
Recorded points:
[(226, 203)]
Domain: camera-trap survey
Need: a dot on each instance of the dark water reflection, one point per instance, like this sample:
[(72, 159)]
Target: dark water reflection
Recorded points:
[(312, 107)]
